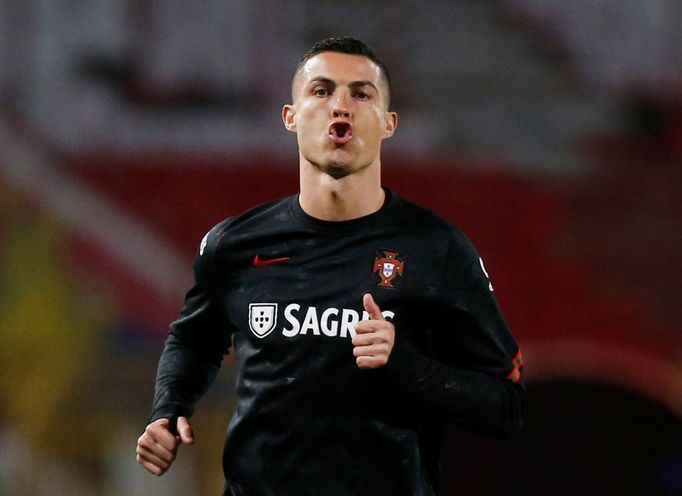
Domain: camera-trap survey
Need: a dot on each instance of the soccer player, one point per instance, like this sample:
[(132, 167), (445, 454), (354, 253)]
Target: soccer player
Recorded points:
[(361, 322)]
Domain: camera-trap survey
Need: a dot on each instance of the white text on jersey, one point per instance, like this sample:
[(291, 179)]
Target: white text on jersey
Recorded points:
[(332, 322)]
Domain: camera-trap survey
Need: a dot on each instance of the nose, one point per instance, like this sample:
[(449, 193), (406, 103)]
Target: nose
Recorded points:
[(341, 107)]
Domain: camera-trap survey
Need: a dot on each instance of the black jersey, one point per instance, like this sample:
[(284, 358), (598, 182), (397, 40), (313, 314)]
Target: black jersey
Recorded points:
[(287, 290)]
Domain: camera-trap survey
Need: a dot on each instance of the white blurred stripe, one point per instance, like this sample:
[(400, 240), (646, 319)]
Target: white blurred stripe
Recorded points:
[(130, 241)]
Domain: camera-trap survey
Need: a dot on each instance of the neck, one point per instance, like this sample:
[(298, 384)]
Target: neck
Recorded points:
[(355, 195)]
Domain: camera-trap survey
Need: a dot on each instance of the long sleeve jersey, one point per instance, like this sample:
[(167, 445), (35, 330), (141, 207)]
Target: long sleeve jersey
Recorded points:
[(285, 291)]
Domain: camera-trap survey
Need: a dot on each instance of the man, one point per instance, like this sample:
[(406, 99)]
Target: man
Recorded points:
[(361, 322)]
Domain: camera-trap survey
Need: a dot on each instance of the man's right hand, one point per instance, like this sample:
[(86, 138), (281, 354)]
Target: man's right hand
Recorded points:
[(157, 446)]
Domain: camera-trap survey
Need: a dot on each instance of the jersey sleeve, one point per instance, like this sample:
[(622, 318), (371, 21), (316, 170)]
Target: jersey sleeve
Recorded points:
[(471, 372), (197, 340), (481, 339)]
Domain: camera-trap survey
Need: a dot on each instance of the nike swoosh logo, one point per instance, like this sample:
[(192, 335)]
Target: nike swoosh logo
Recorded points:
[(257, 262)]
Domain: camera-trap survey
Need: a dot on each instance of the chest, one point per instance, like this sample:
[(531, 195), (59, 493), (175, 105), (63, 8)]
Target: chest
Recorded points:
[(309, 287)]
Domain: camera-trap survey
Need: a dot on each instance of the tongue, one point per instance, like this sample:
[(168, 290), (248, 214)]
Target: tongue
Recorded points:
[(340, 135)]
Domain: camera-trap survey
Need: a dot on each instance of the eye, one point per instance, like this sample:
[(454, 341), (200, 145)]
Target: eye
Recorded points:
[(321, 92), (361, 95)]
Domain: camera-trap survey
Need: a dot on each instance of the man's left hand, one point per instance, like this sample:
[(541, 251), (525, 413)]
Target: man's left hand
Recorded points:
[(374, 338)]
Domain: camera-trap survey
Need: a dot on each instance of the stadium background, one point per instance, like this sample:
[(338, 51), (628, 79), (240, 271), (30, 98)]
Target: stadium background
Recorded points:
[(551, 132)]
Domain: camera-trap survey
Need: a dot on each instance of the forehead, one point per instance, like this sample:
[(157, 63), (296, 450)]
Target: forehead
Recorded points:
[(342, 68)]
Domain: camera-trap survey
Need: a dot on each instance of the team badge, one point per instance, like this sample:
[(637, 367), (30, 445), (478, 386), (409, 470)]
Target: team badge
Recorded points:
[(262, 318), (388, 267)]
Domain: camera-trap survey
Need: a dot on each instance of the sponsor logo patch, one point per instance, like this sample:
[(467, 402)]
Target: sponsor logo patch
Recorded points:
[(262, 318), (302, 320)]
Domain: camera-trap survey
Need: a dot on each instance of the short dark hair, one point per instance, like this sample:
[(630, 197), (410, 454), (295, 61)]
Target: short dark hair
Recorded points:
[(348, 45)]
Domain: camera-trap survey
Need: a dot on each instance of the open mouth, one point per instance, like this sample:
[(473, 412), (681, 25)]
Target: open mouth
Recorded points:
[(340, 132)]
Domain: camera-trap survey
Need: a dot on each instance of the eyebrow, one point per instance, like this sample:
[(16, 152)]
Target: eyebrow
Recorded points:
[(354, 84)]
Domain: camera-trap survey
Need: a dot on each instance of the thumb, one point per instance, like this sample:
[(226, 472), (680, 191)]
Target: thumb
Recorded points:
[(185, 431), (371, 307)]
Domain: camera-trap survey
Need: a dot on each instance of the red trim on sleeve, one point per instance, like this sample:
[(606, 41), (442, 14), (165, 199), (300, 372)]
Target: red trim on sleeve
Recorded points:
[(515, 374)]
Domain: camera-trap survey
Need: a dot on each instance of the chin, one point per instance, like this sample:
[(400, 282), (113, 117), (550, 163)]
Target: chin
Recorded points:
[(337, 171), (338, 166)]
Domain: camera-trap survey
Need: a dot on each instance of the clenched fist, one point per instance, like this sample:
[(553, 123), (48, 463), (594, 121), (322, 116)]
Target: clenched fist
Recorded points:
[(157, 446)]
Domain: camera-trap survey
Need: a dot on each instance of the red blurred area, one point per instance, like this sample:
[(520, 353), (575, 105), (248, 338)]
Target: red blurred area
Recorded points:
[(543, 240)]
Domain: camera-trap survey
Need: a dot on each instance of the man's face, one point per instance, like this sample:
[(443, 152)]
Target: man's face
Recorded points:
[(339, 112)]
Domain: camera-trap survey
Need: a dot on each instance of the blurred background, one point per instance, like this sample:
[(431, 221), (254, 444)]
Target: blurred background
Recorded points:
[(551, 132)]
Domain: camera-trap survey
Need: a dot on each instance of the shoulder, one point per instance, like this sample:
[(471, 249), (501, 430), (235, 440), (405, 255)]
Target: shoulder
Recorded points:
[(224, 233), (431, 224), (272, 212), (265, 213), (460, 263), (447, 243)]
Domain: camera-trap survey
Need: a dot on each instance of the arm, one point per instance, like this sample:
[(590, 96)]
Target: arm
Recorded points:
[(190, 359), (480, 401), (475, 400), (471, 370), (188, 365)]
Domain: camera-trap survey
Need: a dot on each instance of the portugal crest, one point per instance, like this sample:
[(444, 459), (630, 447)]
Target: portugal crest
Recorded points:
[(388, 267), (262, 318)]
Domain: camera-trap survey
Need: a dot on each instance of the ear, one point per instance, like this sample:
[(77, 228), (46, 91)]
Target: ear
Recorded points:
[(289, 117), (390, 124)]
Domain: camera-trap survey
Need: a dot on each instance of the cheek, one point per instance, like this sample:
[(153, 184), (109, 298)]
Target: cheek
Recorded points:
[(309, 135), (373, 129), (308, 121), (308, 131)]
